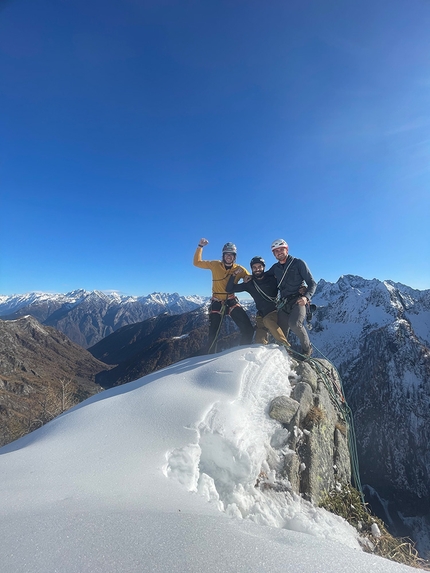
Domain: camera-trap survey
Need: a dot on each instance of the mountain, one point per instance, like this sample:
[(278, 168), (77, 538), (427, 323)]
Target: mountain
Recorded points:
[(42, 373), (87, 317), (141, 348), (174, 472), (378, 335)]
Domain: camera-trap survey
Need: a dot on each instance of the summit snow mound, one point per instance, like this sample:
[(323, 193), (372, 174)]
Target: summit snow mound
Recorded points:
[(159, 475)]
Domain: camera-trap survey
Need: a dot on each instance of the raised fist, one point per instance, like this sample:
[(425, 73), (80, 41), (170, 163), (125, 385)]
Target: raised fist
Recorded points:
[(203, 242)]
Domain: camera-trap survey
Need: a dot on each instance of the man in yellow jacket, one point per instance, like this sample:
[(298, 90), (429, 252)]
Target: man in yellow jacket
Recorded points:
[(222, 302)]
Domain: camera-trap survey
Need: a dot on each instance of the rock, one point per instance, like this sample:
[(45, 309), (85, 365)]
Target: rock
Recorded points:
[(302, 392), (283, 409), (318, 455)]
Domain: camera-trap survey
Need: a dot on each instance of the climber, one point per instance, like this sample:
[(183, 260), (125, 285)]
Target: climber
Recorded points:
[(222, 302), (291, 274), (264, 290)]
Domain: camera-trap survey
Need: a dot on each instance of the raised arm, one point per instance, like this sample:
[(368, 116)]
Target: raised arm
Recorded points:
[(197, 260)]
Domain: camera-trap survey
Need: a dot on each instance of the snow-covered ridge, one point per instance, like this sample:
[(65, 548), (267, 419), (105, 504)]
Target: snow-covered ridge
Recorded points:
[(12, 303), (165, 463), (351, 308)]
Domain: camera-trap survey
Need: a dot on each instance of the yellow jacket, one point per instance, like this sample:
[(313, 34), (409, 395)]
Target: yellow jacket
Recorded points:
[(220, 274)]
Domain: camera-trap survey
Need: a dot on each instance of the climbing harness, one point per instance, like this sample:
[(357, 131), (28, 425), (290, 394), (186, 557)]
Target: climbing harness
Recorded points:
[(286, 304), (281, 302), (226, 306), (222, 313)]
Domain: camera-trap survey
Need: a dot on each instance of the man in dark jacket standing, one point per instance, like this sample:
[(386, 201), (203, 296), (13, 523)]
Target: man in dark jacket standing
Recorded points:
[(291, 274), (264, 290)]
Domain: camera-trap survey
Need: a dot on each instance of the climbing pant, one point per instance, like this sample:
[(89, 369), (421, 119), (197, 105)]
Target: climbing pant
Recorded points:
[(236, 312), (294, 320), (269, 323)]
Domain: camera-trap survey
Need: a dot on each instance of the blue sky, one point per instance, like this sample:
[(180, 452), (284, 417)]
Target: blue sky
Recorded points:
[(130, 128)]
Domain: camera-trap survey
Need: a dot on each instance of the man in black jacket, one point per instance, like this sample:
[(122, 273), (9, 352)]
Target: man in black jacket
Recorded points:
[(264, 290), (291, 274)]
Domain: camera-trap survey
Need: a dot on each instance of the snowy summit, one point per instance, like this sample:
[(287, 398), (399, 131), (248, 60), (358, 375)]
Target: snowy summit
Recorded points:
[(159, 475)]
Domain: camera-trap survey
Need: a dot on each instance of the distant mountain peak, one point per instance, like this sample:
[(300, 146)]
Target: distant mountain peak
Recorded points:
[(87, 317)]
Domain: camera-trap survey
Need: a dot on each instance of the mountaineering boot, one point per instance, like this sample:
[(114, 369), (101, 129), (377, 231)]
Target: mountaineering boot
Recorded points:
[(300, 356), (307, 354)]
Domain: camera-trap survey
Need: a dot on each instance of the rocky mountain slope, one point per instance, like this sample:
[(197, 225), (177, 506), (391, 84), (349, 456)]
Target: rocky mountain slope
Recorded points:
[(141, 348), (42, 373), (378, 335), (87, 317)]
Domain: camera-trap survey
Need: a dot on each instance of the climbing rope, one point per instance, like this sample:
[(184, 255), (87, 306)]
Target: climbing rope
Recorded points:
[(264, 294), (222, 313)]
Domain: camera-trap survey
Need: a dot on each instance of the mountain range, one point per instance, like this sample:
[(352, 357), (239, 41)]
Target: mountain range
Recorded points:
[(89, 316), (377, 334)]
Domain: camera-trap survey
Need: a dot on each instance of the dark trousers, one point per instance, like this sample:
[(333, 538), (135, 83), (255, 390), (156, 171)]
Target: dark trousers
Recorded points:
[(294, 320), (239, 316)]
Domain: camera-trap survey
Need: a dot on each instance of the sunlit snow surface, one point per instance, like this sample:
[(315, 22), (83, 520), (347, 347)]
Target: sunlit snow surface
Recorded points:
[(159, 475)]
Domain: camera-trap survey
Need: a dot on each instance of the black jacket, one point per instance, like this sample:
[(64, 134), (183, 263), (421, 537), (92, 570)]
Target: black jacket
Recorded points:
[(267, 284), (293, 279)]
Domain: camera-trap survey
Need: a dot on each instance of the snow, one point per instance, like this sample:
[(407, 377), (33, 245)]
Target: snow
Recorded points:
[(159, 475), (420, 324), (13, 303)]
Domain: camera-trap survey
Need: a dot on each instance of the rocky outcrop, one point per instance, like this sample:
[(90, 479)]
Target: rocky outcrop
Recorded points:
[(317, 457), (377, 334)]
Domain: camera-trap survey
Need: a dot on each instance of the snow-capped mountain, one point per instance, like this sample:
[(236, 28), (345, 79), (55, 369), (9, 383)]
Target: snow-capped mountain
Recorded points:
[(87, 317), (353, 307), (378, 335)]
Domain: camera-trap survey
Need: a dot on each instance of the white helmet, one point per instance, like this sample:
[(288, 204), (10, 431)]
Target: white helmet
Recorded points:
[(279, 243)]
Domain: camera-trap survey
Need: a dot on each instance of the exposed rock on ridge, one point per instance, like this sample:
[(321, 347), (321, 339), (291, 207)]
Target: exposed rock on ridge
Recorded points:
[(318, 455)]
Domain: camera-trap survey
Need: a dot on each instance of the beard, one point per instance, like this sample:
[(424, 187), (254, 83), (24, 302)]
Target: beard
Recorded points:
[(258, 274)]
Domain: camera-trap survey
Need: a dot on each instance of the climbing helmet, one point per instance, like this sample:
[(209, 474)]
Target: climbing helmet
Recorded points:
[(257, 260), (279, 243)]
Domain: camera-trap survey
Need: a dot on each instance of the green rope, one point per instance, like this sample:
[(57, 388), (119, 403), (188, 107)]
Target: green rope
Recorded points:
[(338, 397), (222, 313), (264, 294)]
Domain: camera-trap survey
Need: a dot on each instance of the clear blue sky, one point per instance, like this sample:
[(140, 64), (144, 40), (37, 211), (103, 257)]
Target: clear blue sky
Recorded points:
[(131, 128)]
